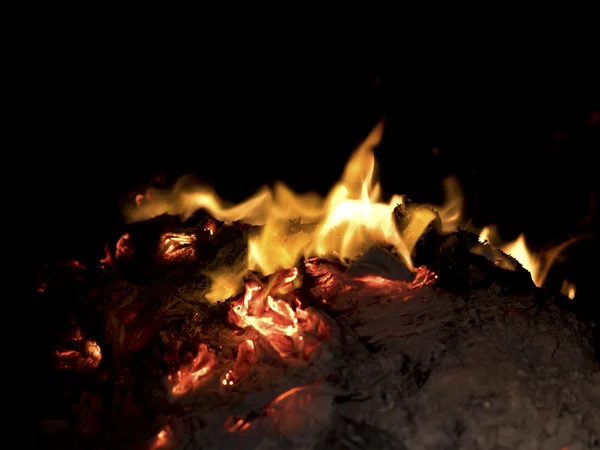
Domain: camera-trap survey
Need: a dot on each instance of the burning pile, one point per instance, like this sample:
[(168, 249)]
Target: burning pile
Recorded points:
[(305, 320)]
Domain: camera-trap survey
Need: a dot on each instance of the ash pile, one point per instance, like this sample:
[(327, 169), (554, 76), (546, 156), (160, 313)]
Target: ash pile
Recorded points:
[(463, 351)]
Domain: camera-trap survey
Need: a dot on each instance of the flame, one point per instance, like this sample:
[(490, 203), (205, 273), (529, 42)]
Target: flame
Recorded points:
[(568, 289), (225, 283), (273, 309), (190, 376), (350, 219), (529, 260), (538, 264)]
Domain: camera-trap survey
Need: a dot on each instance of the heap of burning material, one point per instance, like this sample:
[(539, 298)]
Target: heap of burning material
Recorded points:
[(363, 325)]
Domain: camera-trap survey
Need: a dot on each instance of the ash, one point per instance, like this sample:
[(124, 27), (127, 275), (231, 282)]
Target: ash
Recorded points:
[(469, 360), (456, 371)]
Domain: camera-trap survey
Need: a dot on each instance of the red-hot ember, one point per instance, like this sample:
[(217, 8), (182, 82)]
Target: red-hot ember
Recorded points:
[(177, 246), (242, 365), (210, 226), (107, 260), (333, 283), (81, 354), (162, 439), (191, 376), (273, 309), (124, 248)]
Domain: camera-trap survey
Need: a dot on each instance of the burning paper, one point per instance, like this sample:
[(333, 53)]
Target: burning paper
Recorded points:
[(191, 376)]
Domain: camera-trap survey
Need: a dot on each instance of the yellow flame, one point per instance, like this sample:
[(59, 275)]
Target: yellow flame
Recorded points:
[(350, 219), (568, 289), (538, 264)]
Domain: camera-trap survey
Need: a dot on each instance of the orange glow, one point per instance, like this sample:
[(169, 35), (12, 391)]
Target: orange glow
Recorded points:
[(273, 310), (242, 365), (124, 248), (282, 407), (177, 246), (347, 222), (191, 376), (107, 260), (83, 354), (162, 438)]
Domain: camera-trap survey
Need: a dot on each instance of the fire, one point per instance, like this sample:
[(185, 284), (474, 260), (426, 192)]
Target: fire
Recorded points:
[(287, 411), (568, 289), (82, 354), (273, 309), (243, 362), (123, 248), (538, 264), (189, 377), (162, 438), (347, 222), (177, 246)]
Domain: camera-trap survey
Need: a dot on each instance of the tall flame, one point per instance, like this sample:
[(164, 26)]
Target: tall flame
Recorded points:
[(346, 222)]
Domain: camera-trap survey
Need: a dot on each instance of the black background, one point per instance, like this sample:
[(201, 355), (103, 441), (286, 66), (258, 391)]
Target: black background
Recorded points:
[(515, 125)]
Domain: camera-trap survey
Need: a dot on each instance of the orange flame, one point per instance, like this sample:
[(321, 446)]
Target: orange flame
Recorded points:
[(189, 377), (347, 222)]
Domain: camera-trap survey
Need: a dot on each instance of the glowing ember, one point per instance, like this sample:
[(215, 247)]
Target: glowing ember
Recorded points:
[(74, 264), (243, 362), (83, 354), (177, 246), (337, 290), (124, 248), (288, 411), (210, 225), (107, 260), (162, 438), (93, 350), (190, 377), (139, 200), (273, 309)]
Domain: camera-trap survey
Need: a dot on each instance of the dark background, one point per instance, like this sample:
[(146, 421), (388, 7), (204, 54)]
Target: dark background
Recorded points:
[(518, 129)]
